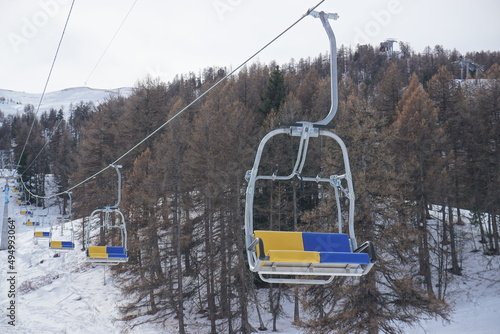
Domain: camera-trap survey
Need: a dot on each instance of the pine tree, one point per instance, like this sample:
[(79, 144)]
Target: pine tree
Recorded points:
[(482, 152), (79, 116), (417, 143), (444, 91), (274, 93), (389, 91)]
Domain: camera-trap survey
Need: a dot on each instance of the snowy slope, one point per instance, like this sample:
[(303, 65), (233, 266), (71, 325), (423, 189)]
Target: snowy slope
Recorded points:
[(12, 102), (475, 295), (61, 294), (67, 295)]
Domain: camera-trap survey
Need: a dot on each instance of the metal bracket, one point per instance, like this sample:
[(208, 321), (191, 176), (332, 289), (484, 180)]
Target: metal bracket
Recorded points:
[(248, 174), (330, 16)]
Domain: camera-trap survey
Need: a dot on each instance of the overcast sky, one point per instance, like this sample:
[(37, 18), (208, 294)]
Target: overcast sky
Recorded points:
[(165, 38)]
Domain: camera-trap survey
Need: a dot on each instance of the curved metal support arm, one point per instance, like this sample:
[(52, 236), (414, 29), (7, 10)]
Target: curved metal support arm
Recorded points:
[(333, 64), (350, 186), (117, 168), (70, 204)]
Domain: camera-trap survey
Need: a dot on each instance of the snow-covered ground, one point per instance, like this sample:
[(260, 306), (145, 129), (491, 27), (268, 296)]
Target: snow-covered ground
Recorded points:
[(13, 102), (475, 295), (65, 294), (55, 294)]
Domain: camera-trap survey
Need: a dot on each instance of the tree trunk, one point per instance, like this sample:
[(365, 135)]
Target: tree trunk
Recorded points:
[(455, 266), (445, 240), (210, 279), (496, 248), (275, 304), (243, 288), (178, 253), (423, 251)]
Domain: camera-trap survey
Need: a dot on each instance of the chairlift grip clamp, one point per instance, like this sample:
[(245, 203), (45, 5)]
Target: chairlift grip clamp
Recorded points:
[(330, 16), (248, 174)]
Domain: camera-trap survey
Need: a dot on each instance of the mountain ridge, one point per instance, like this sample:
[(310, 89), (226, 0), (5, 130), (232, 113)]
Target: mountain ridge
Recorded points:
[(13, 102)]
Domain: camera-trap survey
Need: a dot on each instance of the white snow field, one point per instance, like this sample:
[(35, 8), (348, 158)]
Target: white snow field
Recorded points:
[(13, 102), (66, 294)]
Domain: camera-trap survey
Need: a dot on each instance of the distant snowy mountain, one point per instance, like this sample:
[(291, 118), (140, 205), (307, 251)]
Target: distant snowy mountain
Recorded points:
[(13, 102)]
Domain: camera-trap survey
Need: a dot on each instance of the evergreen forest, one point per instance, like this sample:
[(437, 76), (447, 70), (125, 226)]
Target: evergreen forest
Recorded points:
[(423, 136)]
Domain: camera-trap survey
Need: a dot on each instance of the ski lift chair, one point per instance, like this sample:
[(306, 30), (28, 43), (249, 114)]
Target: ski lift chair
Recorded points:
[(101, 245), (107, 251), (41, 234), (31, 223), (307, 257), (61, 238)]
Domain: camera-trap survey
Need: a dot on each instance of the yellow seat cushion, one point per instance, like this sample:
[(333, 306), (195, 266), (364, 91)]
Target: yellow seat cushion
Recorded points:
[(55, 244), (98, 252), (294, 256), (280, 240)]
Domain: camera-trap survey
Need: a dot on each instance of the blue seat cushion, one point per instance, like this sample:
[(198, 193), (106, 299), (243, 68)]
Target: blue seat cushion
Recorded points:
[(117, 256), (67, 244), (354, 258), (116, 252), (326, 242)]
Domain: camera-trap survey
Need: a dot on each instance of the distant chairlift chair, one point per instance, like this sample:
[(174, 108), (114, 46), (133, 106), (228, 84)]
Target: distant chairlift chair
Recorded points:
[(41, 234), (62, 232), (102, 245), (62, 235)]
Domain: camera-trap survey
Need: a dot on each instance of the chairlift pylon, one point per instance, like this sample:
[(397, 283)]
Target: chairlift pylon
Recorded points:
[(307, 257)]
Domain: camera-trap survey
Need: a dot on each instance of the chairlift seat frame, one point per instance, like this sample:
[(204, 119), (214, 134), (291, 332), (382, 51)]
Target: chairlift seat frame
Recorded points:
[(31, 223), (41, 234), (61, 243), (277, 255), (310, 253), (109, 217), (107, 254)]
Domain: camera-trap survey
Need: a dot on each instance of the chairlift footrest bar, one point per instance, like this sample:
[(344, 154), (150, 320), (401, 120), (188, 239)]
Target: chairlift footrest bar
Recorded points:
[(316, 126)]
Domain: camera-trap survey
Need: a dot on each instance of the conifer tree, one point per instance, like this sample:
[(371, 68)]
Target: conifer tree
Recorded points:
[(444, 91), (417, 145), (274, 93), (99, 144), (389, 91), (482, 152)]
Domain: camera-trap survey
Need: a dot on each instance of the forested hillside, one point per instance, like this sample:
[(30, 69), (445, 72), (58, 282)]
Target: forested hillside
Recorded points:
[(417, 132)]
